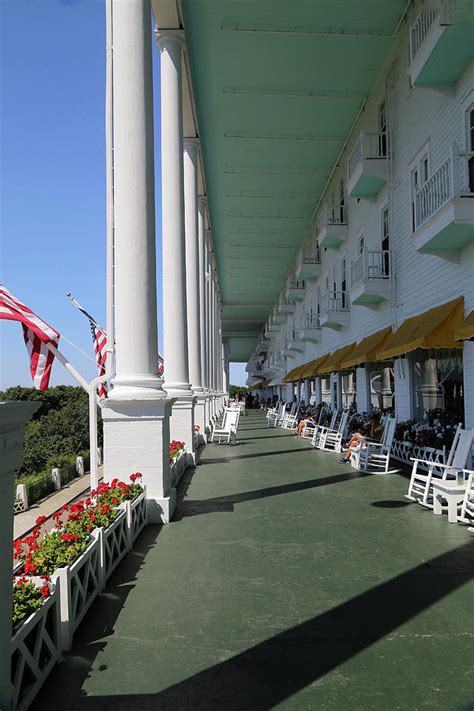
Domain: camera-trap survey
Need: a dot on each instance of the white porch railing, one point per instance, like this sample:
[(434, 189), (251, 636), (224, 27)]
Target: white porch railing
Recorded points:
[(434, 193), (424, 21), (368, 146), (404, 451), (371, 265), (335, 301), (311, 256)]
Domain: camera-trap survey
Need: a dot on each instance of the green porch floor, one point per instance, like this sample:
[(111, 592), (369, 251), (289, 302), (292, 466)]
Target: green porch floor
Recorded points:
[(285, 581)]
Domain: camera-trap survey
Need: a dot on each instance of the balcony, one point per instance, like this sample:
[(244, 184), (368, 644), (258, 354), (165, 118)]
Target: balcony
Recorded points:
[(309, 265), (295, 291), (335, 311), (444, 210), (332, 226), (371, 278), (286, 307), (311, 333), (296, 343), (441, 44), (368, 166)]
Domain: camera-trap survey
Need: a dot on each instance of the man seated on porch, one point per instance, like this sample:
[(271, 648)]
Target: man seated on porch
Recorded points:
[(376, 431), (312, 419)]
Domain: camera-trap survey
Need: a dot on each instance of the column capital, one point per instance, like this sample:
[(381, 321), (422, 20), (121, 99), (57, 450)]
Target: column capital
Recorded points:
[(169, 38)]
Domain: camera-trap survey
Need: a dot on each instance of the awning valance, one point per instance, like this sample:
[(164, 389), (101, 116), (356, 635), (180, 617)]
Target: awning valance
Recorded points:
[(333, 363), (465, 332), (365, 350), (432, 329), (313, 368)]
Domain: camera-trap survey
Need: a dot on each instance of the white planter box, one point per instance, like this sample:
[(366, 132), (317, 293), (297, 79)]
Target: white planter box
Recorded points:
[(178, 467), (35, 650), (39, 641)]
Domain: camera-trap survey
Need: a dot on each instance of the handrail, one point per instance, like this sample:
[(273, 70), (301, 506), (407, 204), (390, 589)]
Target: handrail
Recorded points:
[(420, 28), (369, 146), (371, 264), (335, 301)]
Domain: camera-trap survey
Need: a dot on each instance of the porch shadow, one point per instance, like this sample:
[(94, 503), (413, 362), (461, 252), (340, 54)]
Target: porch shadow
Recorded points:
[(225, 460), (272, 671), (220, 504)]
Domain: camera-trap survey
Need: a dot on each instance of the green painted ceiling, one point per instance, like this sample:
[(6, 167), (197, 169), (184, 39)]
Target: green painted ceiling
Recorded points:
[(277, 86)]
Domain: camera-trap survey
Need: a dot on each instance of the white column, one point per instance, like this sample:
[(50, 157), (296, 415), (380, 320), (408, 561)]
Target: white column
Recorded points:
[(318, 391), (203, 303), (363, 390), (136, 414), (468, 375), (403, 388), (290, 393), (212, 341), (13, 417), (307, 391), (170, 44), (193, 290)]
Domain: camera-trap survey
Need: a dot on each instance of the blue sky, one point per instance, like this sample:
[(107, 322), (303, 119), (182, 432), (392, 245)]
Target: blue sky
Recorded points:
[(52, 178)]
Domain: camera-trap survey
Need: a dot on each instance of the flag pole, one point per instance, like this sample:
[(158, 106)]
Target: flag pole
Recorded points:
[(69, 367)]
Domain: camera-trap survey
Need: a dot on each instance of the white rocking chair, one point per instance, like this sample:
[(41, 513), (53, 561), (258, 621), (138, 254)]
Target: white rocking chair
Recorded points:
[(331, 440), (320, 428), (275, 414), (374, 457), (309, 427), (289, 421), (420, 488), (466, 514), (227, 431)]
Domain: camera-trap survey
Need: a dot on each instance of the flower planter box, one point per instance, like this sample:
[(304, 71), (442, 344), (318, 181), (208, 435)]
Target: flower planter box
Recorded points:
[(35, 650), (178, 467), (404, 451), (38, 642)]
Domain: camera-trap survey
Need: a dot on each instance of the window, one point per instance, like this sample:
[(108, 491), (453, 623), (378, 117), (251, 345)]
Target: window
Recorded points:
[(341, 202), (361, 244), (382, 129), (344, 282)]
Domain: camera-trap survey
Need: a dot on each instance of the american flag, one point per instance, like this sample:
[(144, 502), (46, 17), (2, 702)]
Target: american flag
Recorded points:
[(37, 335), (99, 343)]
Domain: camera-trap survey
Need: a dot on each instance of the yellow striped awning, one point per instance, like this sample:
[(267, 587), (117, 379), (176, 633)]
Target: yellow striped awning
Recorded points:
[(432, 329), (313, 367), (365, 350), (333, 363), (465, 332)]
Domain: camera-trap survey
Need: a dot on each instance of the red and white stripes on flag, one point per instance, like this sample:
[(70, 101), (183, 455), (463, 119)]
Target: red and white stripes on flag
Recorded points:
[(99, 340), (37, 335)]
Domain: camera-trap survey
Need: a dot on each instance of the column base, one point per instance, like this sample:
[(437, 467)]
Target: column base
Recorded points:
[(182, 421), (136, 438), (200, 415)]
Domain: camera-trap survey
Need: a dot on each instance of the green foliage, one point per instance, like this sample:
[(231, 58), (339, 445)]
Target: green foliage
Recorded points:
[(60, 428), (37, 486), (27, 597), (238, 390)]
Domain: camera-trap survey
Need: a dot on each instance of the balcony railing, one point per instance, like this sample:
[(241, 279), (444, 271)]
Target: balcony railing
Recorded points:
[(311, 320), (311, 256), (434, 193), (369, 146), (335, 301), (425, 20), (332, 215), (371, 265)]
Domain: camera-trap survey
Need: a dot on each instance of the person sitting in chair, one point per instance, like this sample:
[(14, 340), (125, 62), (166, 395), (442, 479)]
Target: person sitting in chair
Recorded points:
[(376, 431), (311, 420)]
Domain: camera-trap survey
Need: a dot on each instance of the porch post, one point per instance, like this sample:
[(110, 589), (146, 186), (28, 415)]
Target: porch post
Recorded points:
[(193, 290), (13, 418), (171, 43), (136, 413), (318, 390), (404, 388), (363, 390), (307, 391), (468, 375), (203, 305)]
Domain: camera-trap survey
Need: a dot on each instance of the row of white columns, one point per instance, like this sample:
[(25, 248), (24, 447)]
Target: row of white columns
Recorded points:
[(142, 413)]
